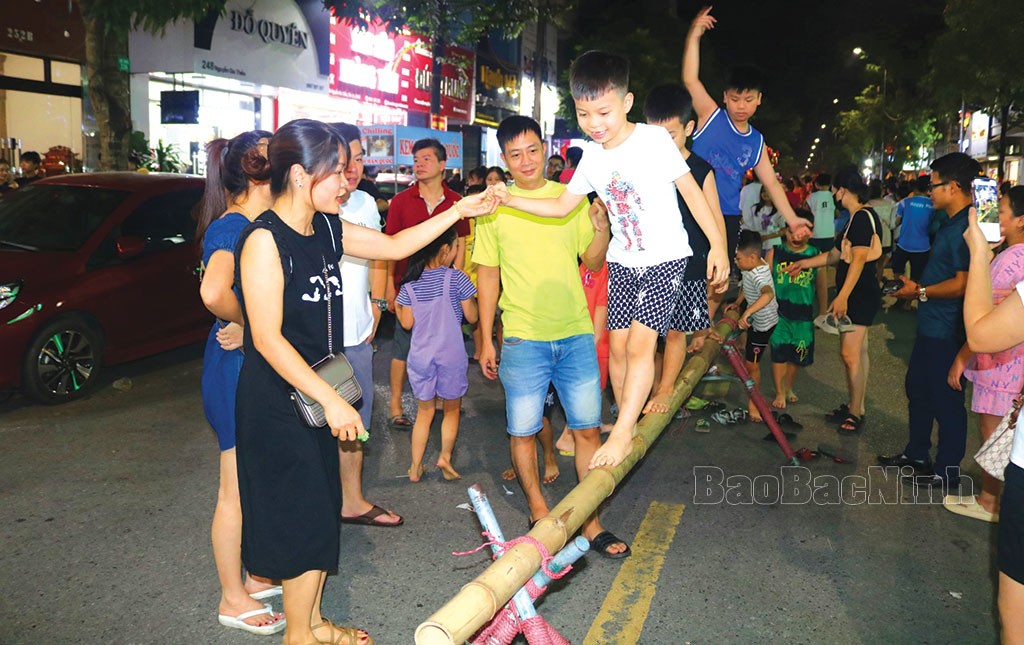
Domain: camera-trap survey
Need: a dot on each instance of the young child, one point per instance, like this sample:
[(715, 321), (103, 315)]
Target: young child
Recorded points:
[(762, 311), (725, 137), (669, 106), (431, 302), (792, 341), (636, 170), (763, 218)]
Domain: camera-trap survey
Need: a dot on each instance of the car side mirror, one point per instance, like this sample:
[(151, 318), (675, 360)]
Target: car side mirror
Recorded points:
[(130, 246)]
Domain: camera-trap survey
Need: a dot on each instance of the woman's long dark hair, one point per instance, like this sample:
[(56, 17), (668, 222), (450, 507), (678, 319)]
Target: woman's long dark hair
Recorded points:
[(311, 144), (230, 166), (420, 259)]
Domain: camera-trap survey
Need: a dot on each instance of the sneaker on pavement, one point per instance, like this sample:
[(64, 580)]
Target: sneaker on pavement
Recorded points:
[(920, 466)]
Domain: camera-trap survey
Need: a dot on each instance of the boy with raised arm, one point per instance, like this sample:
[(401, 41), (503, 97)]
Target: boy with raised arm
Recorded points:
[(726, 139), (636, 170)]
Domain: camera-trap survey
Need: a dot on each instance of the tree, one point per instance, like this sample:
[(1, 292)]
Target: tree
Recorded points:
[(972, 62), (449, 21), (107, 25)]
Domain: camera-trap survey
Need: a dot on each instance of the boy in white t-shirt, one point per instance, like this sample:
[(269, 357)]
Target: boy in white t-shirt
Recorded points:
[(636, 170)]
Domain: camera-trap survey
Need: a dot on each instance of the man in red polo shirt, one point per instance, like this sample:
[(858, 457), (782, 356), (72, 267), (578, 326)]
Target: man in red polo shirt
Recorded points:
[(410, 207)]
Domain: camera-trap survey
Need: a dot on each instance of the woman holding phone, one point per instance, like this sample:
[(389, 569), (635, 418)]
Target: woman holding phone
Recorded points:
[(995, 328)]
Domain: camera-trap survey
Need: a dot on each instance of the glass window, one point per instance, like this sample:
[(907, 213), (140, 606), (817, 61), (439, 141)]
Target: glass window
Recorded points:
[(54, 218), (164, 221)]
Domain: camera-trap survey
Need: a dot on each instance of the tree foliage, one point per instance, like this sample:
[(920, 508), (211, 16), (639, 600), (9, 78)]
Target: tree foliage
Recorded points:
[(119, 17), (450, 21)]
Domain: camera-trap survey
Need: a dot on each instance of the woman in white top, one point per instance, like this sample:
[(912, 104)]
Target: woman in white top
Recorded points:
[(993, 329)]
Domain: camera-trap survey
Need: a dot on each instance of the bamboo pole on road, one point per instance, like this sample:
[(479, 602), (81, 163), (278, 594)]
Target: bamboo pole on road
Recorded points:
[(478, 602)]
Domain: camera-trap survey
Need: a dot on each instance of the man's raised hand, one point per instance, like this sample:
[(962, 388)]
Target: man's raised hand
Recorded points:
[(703, 22)]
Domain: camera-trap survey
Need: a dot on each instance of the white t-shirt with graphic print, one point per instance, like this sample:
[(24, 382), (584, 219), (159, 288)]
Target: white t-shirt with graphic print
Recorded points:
[(636, 180)]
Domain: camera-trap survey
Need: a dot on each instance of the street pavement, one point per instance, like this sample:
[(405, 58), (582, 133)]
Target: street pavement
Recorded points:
[(105, 508)]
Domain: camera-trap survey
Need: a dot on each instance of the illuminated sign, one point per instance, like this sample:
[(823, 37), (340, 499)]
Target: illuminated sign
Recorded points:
[(391, 145), (395, 71)]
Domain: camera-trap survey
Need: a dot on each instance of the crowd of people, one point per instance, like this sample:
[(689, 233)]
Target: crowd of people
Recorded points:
[(581, 269)]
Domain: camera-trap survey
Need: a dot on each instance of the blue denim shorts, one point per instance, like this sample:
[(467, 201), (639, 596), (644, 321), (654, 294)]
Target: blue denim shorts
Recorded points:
[(529, 366)]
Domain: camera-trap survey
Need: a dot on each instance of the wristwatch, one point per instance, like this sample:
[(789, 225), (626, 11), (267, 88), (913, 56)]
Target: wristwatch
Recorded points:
[(381, 303), (922, 294)]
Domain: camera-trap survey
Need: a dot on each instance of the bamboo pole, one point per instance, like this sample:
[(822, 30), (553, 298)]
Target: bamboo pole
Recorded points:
[(477, 602)]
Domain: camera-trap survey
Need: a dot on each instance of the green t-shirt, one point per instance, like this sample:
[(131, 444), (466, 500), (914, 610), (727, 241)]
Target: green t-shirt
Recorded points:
[(542, 295), (794, 293)]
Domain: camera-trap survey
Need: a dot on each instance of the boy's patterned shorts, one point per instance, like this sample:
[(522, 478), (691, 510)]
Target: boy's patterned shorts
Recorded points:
[(692, 309), (647, 295)]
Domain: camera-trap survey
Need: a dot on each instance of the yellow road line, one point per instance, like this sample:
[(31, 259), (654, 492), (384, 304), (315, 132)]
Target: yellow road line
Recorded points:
[(625, 607)]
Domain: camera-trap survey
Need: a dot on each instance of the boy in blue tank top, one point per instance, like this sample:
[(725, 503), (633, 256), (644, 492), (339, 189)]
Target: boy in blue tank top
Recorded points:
[(726, 139)]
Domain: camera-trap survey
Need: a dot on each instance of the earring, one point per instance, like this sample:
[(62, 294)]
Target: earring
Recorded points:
[(299, 184)]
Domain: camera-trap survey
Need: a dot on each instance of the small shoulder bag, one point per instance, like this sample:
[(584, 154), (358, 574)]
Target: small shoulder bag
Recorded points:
[(333, 368), (874, 251), (994, 454)]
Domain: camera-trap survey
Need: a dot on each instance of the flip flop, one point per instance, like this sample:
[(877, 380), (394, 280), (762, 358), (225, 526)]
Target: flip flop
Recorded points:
[(839, 414), (787, 420), (266, 593), (238, 622), (605, 539), (400, 422), (968, 507), (369, 518)]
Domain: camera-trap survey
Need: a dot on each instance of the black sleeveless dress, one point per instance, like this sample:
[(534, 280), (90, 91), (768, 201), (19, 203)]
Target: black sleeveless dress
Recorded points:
[(288, 472)]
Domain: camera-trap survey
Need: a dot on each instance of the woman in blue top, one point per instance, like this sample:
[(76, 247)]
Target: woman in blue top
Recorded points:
[(236, 192)]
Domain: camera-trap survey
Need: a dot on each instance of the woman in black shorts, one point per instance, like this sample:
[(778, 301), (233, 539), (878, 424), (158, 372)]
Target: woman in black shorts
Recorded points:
[(993, 329), (858, 294)]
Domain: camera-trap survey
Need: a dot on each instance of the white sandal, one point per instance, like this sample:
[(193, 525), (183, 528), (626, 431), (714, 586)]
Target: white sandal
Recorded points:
[(266, 593), (238, 622)]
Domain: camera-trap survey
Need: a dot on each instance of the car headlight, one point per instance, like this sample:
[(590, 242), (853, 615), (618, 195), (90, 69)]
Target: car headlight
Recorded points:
[(9, 292)]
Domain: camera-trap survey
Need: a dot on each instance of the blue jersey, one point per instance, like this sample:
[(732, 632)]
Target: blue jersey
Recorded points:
[(917, 215), (731, 153)]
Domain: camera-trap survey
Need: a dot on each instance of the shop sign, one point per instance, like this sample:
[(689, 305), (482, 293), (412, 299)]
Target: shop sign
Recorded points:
[(391, 70), (268, 30), (391, 145), (263, 42), (497, 86), (979, 135)]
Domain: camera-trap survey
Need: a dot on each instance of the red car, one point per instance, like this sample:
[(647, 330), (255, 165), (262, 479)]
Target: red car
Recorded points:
[(95, 269)]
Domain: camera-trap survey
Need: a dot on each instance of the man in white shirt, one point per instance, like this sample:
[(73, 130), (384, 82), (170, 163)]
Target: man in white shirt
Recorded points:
[(360, 279)]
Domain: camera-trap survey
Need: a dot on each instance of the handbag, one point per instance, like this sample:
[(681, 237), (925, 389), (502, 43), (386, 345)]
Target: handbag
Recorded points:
[(846, 247), (994, 454), (334, 369)]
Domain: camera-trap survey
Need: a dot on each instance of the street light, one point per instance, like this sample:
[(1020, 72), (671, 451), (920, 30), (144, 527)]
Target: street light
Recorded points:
[(814, 146), (834, 101), (857, 51), (822, 126), (817, 140)]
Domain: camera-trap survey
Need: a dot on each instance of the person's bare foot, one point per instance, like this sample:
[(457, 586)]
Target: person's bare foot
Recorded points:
[(566, 443), (338, 633), (550, 469), (613, 450), (780, 402), (755, 414), (228, 609), (792, 397), (387, 518), (509, 474), (416, 472), (659, 403), (989, 503), (255, 585), (447, 471)]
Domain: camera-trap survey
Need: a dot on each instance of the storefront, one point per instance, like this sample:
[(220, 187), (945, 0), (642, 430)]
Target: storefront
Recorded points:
[(41, 98), (239, 71), (497, 97)]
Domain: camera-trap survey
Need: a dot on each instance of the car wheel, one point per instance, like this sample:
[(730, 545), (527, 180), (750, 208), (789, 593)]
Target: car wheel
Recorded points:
[(63, 362)]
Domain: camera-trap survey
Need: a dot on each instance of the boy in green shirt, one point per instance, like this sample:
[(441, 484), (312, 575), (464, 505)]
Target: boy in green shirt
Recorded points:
[(792, 341)]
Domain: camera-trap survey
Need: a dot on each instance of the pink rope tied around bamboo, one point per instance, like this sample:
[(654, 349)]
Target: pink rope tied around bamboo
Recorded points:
[(545, 557)]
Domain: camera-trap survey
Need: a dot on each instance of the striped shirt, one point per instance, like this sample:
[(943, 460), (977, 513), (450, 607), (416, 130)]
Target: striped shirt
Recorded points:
[(753, 281), (430, 286)]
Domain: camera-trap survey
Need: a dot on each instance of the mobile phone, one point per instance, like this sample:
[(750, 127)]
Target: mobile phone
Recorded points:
[(986, 201), (892, 286)]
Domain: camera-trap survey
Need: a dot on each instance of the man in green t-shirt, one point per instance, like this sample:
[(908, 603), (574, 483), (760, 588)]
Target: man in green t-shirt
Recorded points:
[(548, 334)]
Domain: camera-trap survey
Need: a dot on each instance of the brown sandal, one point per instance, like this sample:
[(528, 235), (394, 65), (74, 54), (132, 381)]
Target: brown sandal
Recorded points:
[(347, 635)]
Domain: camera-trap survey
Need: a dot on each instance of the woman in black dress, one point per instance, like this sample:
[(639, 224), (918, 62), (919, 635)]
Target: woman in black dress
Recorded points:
[(288, 472), (858, 294)]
